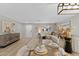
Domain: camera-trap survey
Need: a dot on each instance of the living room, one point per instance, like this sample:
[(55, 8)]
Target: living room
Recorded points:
[(33, 25)]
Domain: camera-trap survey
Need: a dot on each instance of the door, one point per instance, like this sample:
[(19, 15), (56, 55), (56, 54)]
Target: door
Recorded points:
[(29, 30)]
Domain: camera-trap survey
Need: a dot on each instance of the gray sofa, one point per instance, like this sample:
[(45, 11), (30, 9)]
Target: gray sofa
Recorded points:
[(8, 39)]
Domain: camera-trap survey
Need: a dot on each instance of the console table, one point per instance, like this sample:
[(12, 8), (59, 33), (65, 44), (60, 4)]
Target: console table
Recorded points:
[(7, 39)]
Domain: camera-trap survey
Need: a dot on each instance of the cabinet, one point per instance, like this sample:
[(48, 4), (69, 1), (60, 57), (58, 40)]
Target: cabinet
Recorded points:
[(75, 44), (8, 39)]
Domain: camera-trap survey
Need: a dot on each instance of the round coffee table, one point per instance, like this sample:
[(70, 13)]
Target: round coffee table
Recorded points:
[(41, 50)]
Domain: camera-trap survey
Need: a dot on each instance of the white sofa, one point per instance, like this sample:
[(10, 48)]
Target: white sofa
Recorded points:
[(24, 51)]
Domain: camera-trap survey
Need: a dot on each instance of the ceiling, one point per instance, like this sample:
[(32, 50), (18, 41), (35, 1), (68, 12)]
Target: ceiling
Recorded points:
[(32, 12)]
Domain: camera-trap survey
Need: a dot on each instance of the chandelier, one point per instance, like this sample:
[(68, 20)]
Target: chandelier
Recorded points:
[(68, 8)]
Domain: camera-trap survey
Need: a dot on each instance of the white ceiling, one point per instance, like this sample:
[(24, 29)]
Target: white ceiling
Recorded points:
[(32, 12)]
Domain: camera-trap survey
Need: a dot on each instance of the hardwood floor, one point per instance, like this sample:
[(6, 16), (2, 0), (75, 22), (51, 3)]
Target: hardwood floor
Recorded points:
[(75, 54), (12, 49)]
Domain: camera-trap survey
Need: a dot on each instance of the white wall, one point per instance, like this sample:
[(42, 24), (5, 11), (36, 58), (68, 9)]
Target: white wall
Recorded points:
[(75, 25), (32, 28), (75, 33), (19, 27)]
